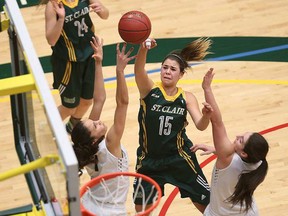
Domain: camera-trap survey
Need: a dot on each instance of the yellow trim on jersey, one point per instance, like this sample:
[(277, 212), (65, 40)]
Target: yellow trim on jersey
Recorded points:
[(70, 3), (183, 154), (167, 97), (141, 158), (184, 94), (67, 74), (70, 48), (144, 136)]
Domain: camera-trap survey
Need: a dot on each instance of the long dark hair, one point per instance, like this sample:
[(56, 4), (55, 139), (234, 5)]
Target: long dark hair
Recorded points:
[(194, 51), (85, 147), (256, 148)]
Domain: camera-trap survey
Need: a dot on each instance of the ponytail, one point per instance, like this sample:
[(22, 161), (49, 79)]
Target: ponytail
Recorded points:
[(84, 146), (256, 148), (194, 51), (247, 184)]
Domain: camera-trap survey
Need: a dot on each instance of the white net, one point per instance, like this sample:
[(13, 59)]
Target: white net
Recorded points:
[(112, 194)]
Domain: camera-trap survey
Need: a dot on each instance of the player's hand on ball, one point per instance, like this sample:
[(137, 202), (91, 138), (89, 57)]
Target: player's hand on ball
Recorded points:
[(149, 43)]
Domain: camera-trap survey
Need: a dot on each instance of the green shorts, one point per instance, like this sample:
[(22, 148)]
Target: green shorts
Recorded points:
[(74, 80), (185, 174)]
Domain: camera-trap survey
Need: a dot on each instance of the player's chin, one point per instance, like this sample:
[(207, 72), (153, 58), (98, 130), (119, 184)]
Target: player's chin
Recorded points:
[(105, 129), (167, 81)]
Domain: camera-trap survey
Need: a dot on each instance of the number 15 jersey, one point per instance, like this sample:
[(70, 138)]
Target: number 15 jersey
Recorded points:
[(162, 121)]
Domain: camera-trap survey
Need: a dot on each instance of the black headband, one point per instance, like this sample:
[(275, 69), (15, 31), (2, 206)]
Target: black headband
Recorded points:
[(177, 56)]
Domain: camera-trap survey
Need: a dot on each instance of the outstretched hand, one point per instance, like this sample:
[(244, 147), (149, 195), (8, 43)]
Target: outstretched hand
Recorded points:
[(97, 46), (96, 7), (205, 148), (122, 57), (58, 8), (207, 79), (206, 85), (207, 109)]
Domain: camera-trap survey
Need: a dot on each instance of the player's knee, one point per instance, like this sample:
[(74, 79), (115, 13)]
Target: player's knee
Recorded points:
[(65, 111), (138, 208)]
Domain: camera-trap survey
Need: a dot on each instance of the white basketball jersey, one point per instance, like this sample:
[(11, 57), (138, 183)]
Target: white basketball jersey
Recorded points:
[(108, 199)]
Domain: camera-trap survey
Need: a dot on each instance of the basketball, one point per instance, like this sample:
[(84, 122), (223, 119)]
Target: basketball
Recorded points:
[(134, 27)]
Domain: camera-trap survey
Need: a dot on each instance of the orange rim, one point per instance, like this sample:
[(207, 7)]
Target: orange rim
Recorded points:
[(108, 176)]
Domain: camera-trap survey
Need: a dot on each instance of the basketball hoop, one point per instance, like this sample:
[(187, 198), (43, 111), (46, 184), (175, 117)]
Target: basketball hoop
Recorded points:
[(111, 195)]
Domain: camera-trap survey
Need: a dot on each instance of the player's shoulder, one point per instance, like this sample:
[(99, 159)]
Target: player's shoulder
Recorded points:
[(188, 95)]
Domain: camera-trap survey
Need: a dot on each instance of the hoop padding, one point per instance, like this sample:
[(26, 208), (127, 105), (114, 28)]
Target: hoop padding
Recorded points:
[(108, 176)]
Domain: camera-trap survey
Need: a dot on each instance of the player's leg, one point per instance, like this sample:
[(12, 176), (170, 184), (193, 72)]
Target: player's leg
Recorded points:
[(189, 178), (83, 79), (199, 206), (78, 113), (147, 166), (64, 81), (65, 111), (141, 196)]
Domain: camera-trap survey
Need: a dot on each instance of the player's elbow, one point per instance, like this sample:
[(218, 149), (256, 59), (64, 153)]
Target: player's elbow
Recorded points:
[(122, 101), (101, 98), (51, 38), (201, 126), (105, 15), (51, 42)]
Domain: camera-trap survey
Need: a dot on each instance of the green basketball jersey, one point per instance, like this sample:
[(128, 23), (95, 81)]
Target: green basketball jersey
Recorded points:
[(78, 30), (162, 121)]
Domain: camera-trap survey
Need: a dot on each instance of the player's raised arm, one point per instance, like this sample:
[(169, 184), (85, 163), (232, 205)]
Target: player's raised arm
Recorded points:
[(144, 83), (122, 99), (99, 95), (224, 148)]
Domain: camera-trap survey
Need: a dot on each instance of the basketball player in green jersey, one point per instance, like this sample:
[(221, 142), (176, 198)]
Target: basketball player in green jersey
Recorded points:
[(69, 30), (164, 148)]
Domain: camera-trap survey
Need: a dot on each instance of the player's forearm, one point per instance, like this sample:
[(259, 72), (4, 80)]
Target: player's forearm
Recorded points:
[(140, 61), (104, 14), (122, 97), (216, 114), (53, 32), (99, 95), (203, 123)]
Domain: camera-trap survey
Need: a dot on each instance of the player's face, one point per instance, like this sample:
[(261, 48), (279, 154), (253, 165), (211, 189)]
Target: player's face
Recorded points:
[(97, 128), (240, 142), (170, 72)]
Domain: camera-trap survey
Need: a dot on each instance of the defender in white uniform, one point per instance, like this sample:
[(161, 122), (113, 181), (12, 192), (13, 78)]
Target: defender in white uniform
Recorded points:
[(98, 199), (240, 166), (100, 151)]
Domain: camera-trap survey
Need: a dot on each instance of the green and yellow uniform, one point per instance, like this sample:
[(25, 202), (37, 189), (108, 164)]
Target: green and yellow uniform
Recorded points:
[(73, 66), (164, 153)]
